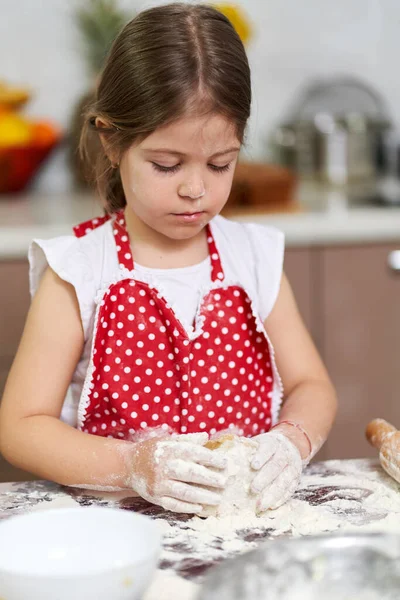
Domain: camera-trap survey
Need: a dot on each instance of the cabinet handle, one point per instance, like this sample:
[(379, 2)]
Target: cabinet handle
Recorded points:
[(394, 261)]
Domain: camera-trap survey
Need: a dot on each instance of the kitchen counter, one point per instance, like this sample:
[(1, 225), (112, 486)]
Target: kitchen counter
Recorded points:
[(320, 217), (348, 495)]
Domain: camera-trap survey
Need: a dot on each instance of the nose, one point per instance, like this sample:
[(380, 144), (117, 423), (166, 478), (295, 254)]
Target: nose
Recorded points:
[(193, 189)]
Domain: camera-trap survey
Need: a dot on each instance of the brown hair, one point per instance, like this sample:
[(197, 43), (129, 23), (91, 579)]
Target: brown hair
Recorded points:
[(166, 62)]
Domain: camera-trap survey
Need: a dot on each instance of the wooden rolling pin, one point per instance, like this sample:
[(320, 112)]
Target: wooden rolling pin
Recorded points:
[(386, 438)]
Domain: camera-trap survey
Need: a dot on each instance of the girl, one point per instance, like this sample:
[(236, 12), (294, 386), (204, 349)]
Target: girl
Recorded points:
[(163, 316)]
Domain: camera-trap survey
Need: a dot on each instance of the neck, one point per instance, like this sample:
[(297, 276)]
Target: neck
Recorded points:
[(153, 249)]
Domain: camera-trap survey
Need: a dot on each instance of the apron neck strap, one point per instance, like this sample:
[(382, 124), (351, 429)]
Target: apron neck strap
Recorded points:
[(125, 257), (217, 272), (122, 243)]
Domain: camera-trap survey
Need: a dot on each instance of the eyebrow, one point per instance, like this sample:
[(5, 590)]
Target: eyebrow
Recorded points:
[(178, 153)]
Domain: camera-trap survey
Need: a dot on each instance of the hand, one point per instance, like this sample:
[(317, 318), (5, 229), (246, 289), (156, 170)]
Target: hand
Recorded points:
[(173, 472), (279, 467)]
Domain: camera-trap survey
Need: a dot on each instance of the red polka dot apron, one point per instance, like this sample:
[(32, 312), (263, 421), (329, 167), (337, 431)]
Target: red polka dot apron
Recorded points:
[(147, 371)]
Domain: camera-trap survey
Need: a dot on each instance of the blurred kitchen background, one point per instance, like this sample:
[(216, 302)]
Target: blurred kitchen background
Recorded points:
[(321, 162)]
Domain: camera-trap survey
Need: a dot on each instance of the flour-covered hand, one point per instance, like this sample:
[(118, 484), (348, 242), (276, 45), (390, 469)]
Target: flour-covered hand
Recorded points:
[(279, 466), (178, 473)]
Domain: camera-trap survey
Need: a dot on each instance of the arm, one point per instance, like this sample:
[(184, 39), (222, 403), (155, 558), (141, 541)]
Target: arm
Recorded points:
[(33, 438), (310, 403), (310, 399), (31, 435)]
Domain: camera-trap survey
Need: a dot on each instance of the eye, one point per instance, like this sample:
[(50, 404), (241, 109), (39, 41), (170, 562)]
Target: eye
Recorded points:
[(222, 169), (162, 169), (174, 168)]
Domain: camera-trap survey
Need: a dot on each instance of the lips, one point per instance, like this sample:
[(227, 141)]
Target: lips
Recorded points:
[(189, 217), (189, 214)]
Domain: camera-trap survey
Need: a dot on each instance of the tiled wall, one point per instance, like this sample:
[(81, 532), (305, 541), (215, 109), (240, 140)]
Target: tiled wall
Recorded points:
[(294, 40)]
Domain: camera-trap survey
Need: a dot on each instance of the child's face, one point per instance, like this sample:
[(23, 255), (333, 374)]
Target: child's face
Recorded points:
[(180, 176)]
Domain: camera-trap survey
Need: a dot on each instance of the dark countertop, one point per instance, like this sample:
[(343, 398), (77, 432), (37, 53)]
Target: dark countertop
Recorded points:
[(333, 495)]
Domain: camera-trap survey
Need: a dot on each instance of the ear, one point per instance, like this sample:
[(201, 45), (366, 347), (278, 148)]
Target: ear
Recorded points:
[(102, 124)]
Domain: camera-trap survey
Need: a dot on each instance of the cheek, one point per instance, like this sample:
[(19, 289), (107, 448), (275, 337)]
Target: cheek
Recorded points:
[(157, 193), (220, 189), (144, 187)]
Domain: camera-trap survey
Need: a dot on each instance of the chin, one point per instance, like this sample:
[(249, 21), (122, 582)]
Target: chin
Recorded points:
[(184, 232)]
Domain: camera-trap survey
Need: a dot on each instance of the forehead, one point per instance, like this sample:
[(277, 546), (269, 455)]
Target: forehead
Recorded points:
[(207, 135)]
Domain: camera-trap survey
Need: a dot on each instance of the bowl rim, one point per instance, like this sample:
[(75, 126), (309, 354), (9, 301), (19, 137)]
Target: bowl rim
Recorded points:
[(328, 540), (152, 553)]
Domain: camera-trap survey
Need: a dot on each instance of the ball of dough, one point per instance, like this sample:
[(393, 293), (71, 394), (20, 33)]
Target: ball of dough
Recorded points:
[(236, 496)]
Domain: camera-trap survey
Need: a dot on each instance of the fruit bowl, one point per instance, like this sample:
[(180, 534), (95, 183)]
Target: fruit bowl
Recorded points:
[(20, 164), (25, 143)]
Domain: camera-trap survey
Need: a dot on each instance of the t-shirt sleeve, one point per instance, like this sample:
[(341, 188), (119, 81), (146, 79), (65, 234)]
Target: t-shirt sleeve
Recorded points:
[(66, 256), (268, 246)]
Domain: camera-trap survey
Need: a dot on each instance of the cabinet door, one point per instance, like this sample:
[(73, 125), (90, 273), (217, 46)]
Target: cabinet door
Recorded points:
[(14, 304), (361, 342), (298, 268), (302, 270)]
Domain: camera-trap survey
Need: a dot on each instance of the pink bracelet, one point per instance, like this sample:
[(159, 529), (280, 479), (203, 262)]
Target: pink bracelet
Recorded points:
[(299, 427)]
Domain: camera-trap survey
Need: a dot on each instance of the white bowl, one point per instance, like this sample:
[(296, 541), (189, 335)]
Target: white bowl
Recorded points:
[(88, 553)]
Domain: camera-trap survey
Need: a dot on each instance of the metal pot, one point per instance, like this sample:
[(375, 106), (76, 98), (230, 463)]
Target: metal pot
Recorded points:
[(334, 133)]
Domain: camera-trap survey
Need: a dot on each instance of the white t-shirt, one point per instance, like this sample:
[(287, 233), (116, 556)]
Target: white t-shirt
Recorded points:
[(251, 256), (183, 283)]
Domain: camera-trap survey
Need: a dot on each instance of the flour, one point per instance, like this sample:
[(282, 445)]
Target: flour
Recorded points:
[(55, 504), (99, 488), (236, 496), (338, 496), (168, 586)]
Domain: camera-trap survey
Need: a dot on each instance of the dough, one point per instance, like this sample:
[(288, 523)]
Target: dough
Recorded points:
[(236, 497)]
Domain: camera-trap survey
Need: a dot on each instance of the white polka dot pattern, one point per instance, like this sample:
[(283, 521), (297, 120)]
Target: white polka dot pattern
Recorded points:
[(147, 373), (88, 226), (212, 380)]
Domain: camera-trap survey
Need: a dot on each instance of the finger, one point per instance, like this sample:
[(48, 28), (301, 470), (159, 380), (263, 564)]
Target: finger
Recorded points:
[(264, 452), (285, 497), (269, 472), (280, 491), (199, 438), (273, 502), (190, 493), (189, 472), (178, 506), (200, 455)]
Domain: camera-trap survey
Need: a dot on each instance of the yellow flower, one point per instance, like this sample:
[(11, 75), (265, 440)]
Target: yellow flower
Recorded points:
[(238, 19)]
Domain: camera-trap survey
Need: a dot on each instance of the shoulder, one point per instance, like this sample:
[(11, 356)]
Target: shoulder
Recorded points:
[(79, 257), (254, 254), (248, 237), (84, 262)]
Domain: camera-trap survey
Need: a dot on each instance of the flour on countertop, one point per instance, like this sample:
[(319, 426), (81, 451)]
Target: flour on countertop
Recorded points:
[(353, 495), (168, 586), (346, 496)]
